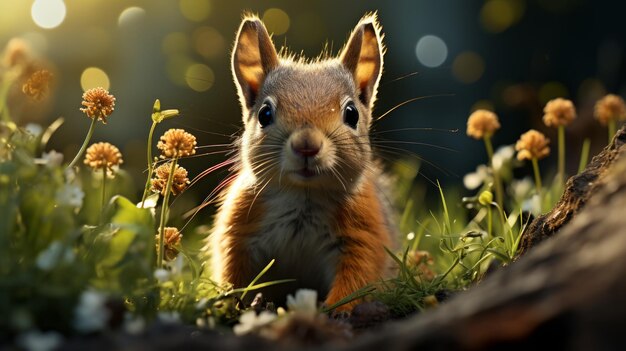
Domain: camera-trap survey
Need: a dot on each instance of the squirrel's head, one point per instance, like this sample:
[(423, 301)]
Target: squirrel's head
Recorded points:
[(307, 123)]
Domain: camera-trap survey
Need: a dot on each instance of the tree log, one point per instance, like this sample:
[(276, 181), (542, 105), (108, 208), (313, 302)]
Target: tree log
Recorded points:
[(578, 189), (569, 292)]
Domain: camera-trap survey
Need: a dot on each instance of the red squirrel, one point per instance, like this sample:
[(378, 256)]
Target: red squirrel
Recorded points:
[(307, 190)]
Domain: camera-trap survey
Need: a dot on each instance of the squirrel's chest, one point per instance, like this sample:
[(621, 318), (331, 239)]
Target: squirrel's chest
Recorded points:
[(300, 235)]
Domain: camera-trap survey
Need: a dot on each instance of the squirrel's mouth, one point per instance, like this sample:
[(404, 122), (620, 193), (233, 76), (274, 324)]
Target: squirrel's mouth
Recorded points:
[(306, 173)]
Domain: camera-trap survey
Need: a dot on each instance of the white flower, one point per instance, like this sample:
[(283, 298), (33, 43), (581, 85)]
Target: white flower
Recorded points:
[(250, 322), (476, 179), (532, 205), (70, 195), (167, 317), (150, 202), (503, 155), (207, 323), (162, 275), (34, 129), (49, 258), (91, 314), (305, 302), (522, 188), (35, 340), (52, 159), (134, 324)]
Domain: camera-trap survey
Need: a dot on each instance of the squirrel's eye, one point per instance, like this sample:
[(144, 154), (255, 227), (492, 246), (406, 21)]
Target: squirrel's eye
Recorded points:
[(351, 115), (266, 115)]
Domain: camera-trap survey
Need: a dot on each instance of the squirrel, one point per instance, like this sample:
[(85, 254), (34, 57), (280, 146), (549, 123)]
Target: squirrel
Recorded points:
[(306, 190)]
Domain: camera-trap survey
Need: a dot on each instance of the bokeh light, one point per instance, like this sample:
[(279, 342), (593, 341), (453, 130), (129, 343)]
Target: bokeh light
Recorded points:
[(208, 42), (177, 67), (468, 67), (195, 10), (175, 43), (48, 14), (552, 90), (276, 21), (199, 77), (431, 51), (497, 16), (130, 15), (94, 77)]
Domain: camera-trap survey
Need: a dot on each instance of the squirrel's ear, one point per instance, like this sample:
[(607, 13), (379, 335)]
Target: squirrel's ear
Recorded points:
[(254, 56), (363, 56)]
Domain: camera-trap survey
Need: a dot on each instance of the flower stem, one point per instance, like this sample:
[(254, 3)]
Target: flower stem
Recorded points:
[(496, 176), (584, 155), (537, 177), (104, 181), (164, 213), (489, 222), (85, 143), (612, 129), (562, 154), (150, 164), (4, 91)]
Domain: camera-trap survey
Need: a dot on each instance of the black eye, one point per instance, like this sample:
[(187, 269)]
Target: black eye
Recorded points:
[(351, 115), (266, 115)]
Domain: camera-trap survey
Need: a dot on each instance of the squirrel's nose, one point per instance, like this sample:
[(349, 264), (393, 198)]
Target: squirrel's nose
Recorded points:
[(305, 149)]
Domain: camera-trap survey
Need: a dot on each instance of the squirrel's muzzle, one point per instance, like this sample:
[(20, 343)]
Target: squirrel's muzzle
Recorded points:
[(306, 142)]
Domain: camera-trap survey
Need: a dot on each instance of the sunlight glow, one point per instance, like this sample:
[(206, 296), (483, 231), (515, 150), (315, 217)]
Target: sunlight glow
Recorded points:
[(94, 77), (48, 14)]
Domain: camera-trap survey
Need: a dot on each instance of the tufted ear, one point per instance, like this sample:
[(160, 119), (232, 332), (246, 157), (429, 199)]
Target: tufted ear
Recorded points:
[(254, 56), (363, 56)]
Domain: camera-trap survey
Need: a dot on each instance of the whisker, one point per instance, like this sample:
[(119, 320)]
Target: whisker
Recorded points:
[(213, 145), (210, 170), (395, 150), (425, 129), (198, 130), (374, 142), (409, 101), (257, 195), (208, 200), (399, 78)]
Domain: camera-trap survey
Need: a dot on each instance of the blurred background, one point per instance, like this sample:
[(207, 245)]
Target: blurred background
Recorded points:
[(510, 56)]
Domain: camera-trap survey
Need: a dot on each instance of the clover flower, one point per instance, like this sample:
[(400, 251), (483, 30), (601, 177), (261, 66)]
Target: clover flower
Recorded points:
[(162, 173), (70, 195), (171, 238), (304, 302), (99, 104), (38, 84), (103, 156), (559, 112), (91, 314), (250, 322), (482, 123), (177, 143), (532, 145), (610, 108)]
